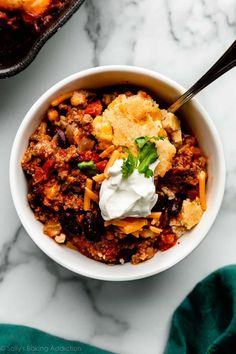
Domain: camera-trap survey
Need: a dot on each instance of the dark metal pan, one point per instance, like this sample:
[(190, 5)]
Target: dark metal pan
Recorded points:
[(16, 57)]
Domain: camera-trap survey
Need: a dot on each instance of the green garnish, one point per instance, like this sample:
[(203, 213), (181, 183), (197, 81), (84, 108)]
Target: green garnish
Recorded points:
[(88, 166), (129, 164), (142, 140), (147, 154)]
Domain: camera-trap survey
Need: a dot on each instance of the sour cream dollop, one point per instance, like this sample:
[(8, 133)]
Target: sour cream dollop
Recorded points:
[(120, 197)]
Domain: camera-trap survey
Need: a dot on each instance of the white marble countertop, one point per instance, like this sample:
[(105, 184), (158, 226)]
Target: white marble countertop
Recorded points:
[(181, 39)]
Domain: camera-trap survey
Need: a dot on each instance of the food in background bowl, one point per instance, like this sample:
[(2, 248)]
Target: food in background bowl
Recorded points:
[(25, 25), (19, 15), (114, 176)]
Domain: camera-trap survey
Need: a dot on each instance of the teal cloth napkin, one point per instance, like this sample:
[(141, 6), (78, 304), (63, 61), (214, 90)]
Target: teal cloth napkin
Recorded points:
[(26, 340), (205, 322)]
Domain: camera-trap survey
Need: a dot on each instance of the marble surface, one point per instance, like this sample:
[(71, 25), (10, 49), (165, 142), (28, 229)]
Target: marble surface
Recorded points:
[(181, 39)]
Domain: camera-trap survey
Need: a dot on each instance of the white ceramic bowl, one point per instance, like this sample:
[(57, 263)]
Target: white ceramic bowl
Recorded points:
[(198, 120)]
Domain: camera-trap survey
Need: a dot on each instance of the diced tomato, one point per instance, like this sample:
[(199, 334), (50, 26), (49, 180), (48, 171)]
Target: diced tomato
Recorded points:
[(100, 166), (89, 156), (47, 166), (109, 251), (39, 175), (62, 152), (166, 241), (94, 108)]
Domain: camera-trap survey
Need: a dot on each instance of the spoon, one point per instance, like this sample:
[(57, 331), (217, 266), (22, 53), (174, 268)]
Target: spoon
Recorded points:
[(226, 62)]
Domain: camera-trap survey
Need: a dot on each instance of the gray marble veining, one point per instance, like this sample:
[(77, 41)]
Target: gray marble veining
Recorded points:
[(178, 38)]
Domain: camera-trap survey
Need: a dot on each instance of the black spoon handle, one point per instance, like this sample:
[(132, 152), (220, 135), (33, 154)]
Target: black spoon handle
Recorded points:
[(225, 63)]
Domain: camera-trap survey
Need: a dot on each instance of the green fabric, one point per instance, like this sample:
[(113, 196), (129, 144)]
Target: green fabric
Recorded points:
[(205, 322), (26, 340)]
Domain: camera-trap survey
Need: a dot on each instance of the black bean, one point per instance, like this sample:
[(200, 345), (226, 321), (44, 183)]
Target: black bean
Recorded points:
[(174, 206), (50, 130), (62, 141), (35, 195), (70, 225), (164, 219), (182, 195), (161, 203), (93, 225)]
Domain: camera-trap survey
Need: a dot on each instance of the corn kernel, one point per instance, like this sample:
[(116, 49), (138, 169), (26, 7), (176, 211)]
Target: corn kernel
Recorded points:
[(53, 115), (162, 133), (75, 99), (102, 129)]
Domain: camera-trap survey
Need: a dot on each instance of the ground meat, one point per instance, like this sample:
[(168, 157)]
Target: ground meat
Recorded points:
[(145, 251), (107, 98), (167, 240), (72, 201), (186, 165)]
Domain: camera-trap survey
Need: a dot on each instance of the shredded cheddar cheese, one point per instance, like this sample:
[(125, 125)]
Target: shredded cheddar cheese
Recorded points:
[(128, 225), (202, 189), (88, 185), (107, 151), (99, 178), (115, 155), (135, 226), (91, 194), (156, 230), (154, 215)]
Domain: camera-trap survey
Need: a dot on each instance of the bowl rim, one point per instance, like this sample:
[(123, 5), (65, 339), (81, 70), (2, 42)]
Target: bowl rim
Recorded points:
[(117, 68)]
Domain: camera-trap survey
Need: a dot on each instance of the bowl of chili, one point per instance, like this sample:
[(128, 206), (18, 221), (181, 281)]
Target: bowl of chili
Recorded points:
[(166, 91)]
